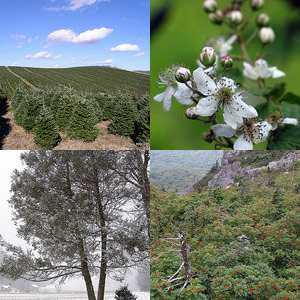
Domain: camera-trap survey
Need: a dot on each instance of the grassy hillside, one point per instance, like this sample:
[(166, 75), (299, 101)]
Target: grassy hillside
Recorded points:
[(83, 79), (241, 243)]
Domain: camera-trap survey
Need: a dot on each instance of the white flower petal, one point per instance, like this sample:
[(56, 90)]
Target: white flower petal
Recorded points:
[(243, 143), (249, 71), (231, 118), (241, 108), (204, 83), (228, 83), (276, 73), (206, 106), (291, 121), (223, 130), (262, 132), (183, 94), (166, 96), (265, 73)]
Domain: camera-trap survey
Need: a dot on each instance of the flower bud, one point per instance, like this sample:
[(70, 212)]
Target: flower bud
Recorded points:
[(266, 35), (209, 137), (217, 17), (208, 56), (226, 62), (257, 4), (262, 20), (236, 17), (183, 75), (210, 6), (190, 113)]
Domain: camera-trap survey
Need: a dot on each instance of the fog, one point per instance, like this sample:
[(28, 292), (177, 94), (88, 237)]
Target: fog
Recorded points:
[(9, 161)]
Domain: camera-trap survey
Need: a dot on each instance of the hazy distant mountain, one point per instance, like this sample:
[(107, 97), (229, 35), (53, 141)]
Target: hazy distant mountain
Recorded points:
[(172, 169)]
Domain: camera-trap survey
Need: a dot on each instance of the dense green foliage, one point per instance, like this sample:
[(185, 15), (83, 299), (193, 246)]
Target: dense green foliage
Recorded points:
[(82, 122), (243, 241), (77, 114), (46, 133)]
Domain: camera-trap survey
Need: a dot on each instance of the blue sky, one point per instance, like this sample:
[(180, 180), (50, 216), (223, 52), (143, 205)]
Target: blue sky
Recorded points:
[(67, 33)]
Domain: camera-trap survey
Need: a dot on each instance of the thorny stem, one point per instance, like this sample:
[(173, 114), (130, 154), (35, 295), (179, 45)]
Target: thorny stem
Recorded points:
[(244, 25), (261, 83), (243, 47), (252, 36)]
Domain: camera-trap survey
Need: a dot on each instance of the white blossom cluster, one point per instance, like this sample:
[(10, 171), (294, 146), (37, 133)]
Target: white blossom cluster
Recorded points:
[(211, 93)]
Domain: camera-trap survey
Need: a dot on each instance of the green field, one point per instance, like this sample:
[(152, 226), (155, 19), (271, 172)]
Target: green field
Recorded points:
[(83, 79)]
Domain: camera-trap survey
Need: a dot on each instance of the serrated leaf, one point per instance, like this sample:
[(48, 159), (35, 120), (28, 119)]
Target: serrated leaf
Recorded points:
[(290, 98), (265, 109), (286, 138), (290, 110)]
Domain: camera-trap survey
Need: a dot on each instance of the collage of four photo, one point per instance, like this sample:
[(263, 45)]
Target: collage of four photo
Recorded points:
[(150, 149)]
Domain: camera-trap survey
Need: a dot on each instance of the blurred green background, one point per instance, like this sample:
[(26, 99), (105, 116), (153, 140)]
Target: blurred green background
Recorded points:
[(180, 34)]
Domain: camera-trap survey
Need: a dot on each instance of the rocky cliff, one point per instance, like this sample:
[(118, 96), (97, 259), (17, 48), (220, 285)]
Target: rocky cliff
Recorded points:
[(232, 167)]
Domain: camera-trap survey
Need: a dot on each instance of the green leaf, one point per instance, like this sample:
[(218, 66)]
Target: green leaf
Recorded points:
[(286, 138), (265, 109), (260, 92), (290, 110), (290, 98), (276, 92)]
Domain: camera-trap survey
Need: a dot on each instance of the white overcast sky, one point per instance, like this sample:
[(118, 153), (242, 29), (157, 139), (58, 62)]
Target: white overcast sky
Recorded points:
[(9, 161)]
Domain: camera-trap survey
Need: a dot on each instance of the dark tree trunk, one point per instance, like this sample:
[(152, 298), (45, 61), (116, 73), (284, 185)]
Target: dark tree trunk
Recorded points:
[(86, 273), (102, 278), (102, 218), (146, 194)]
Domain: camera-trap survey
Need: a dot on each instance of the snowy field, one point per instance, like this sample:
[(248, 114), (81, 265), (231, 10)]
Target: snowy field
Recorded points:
[(63, 296)]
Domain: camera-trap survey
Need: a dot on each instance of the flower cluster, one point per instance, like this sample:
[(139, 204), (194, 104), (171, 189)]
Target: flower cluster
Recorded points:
[(211, 92)]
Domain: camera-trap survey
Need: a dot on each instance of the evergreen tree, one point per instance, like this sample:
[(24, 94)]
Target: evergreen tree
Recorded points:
[(82, 191), (125, 112), (18, 96), (63, 104), (29, 109), (46, 133), (82, 122), (142, 124), (123, 293)]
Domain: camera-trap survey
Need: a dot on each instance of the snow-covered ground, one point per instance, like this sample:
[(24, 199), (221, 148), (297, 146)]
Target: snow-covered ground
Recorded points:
[(63, 296)]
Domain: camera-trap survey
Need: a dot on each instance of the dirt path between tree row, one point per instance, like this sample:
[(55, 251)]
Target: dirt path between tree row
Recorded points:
[(21, 78)]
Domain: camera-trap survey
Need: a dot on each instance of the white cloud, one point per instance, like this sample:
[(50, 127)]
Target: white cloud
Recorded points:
[(29, 40), (36, 38), (87, 37), (72, 58), (43, 54), (14, 65), (75, 4), (85, 58), (125, 48), (139, 54), (18, 36), (105, 62), (62, 36)]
